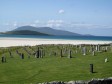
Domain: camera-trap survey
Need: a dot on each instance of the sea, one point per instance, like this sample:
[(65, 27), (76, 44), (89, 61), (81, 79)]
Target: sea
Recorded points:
[(98, 38)]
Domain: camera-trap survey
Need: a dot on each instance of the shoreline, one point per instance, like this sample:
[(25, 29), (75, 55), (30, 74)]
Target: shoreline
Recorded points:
[(8, 42)]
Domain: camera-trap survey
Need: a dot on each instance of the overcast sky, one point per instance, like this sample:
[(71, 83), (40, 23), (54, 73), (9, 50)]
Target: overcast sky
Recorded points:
[(79, 16)]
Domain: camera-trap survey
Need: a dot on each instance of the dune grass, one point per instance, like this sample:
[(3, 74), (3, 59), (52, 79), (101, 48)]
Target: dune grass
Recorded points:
[(52, 67)]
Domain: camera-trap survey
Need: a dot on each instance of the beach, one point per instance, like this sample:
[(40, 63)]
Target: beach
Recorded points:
[(8, 42)]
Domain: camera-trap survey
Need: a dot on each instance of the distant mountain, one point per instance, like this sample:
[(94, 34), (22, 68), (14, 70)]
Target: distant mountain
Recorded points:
[(88, 35), (24, 32), (46, 30), (1, 32)]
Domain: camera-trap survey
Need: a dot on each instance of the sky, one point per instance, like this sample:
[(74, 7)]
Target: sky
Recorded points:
[(80, 16)]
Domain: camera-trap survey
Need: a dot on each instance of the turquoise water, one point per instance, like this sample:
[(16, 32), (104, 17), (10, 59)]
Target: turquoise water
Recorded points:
[(103, 38)]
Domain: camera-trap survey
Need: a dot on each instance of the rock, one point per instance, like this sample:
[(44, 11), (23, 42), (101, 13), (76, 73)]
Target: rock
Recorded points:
[(56, 82), (80, 82), (71, 82), (106, 60), (93, 81)]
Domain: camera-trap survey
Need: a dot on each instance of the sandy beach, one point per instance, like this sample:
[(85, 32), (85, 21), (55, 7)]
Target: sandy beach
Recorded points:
[(8, 42)]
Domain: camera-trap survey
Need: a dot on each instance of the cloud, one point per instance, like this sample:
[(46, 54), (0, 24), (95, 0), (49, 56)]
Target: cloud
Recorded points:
[(88, 26), (7, 24), (58, 24), (34, 25), (15, 24), (75, 25), (36, 21), (61, 11), (55, 23)]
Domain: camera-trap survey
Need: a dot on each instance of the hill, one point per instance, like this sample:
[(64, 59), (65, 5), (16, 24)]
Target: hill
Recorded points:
[(47, 30), (24, 32)]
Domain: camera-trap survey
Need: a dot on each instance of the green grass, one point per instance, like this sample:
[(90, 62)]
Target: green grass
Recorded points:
[(53, 68)]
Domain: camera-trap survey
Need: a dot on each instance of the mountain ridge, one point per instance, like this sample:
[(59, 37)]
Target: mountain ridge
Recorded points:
[(24, 32), (47, 30)]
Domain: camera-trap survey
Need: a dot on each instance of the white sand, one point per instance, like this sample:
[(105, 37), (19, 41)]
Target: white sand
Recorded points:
[(7, 42)]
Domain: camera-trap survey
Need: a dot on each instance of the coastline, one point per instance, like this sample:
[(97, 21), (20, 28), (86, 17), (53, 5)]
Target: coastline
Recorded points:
[(8, 42)]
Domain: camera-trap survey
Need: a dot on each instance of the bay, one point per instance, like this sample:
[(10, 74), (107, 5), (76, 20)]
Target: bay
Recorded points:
[(99, 38)]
